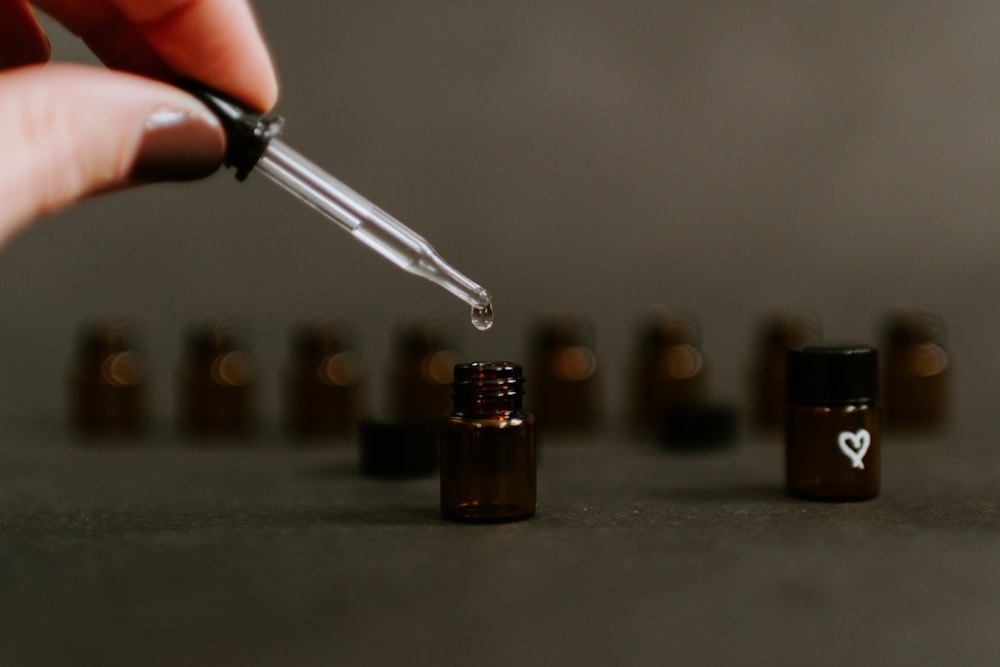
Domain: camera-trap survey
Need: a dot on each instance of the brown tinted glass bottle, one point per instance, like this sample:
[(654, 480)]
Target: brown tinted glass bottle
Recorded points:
[(769, 392), (323, 382), (215, 381), (106, 382), (566, 394), (420, 373), (832, 425), (669, 368), (488, 446), (917, 372)]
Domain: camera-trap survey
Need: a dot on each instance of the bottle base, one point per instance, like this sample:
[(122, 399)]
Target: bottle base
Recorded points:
[(832, 494), (480, 513)]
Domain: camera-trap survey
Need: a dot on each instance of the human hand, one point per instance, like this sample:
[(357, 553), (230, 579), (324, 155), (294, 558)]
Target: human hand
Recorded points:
[(73, 130)]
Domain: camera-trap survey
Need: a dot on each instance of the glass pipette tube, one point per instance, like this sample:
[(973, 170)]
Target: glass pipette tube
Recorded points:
[(251, 143), (368, 223)]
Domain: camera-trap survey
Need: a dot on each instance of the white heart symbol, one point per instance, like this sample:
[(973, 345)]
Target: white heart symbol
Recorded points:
[(855, 446)]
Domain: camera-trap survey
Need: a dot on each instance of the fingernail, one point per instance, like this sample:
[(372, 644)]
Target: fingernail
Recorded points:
[(178, 145)]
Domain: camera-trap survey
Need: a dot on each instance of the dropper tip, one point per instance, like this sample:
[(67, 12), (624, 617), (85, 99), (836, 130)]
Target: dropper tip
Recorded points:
[(481, 298)]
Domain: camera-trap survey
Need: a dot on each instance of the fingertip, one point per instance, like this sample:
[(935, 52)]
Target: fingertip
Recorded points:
[(257, 88), (252, 80), (74, 130), (272, 90)]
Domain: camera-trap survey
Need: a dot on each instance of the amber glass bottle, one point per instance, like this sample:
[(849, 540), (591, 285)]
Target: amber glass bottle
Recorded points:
[(832, 423), (565, 376), (322, 392), (768, 391), (917, 372), (488, 446), (107, 381), (669, 368), (418, 382), (215, 382)]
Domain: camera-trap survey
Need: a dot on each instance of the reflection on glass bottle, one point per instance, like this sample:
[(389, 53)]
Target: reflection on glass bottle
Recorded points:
[(420, 372), (768, 392), (215, 382), (107, 381), (669, 368), (322, 391), (916, 372)]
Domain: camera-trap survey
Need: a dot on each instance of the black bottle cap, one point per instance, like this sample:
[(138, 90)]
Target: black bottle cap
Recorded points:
[(248, 131), (562, 331), (832, 375), (207, 339), (700, 426), (668, 328), (315, 339), (914, 327), (399, 449), (788, 329), (98, 338)]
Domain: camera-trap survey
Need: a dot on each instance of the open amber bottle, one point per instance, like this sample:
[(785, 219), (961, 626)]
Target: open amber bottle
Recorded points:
[(488, 446)]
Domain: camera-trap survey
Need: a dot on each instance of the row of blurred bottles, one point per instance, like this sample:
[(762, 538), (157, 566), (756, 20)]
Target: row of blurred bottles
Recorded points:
[(322, 385)]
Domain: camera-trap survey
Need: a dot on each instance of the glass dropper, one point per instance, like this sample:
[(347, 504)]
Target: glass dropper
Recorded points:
[(251, 143)]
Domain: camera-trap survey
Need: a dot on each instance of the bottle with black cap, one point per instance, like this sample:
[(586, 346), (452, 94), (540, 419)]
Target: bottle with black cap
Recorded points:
[(322, 387), (107, 381), (669, 373), (916, 371), (781, 332), (832, 423), (215, 382), (566, 377)]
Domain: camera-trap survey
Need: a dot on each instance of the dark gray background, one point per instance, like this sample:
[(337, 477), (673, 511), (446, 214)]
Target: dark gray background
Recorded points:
[(601, 160), (724, 157)]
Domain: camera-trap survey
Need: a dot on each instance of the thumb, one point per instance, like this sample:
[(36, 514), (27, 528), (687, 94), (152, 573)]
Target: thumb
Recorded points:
[(71, 131)]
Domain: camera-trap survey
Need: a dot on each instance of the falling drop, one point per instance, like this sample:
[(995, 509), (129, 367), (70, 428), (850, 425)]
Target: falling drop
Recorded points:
[(482, 316)]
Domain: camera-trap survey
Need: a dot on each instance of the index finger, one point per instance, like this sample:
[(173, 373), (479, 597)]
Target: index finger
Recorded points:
[(216, 42)]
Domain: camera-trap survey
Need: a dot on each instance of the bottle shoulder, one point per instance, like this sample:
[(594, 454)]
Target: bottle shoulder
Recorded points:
[(496, 419)]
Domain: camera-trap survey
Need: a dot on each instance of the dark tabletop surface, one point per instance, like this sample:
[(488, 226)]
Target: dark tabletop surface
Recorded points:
[(261, 553)]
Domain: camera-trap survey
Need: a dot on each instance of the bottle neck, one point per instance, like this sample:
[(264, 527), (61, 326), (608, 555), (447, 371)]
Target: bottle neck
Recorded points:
[(486, 388)]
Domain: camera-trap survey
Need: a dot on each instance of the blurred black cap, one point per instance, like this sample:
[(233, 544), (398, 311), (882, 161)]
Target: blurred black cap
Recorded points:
[(399, 449)]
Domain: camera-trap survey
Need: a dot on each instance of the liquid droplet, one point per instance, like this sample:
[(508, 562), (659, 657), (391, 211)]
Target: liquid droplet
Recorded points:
[(482, 316)]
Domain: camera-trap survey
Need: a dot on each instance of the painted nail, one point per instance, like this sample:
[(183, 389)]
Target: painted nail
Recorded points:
[(179, 145)]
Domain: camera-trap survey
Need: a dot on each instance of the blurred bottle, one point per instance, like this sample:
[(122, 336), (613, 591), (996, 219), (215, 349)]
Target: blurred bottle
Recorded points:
[(107, 381), (418, 380), (322, 388), (215, 382), (769, 378), (564, 393), (916, 371), (668, 368)]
